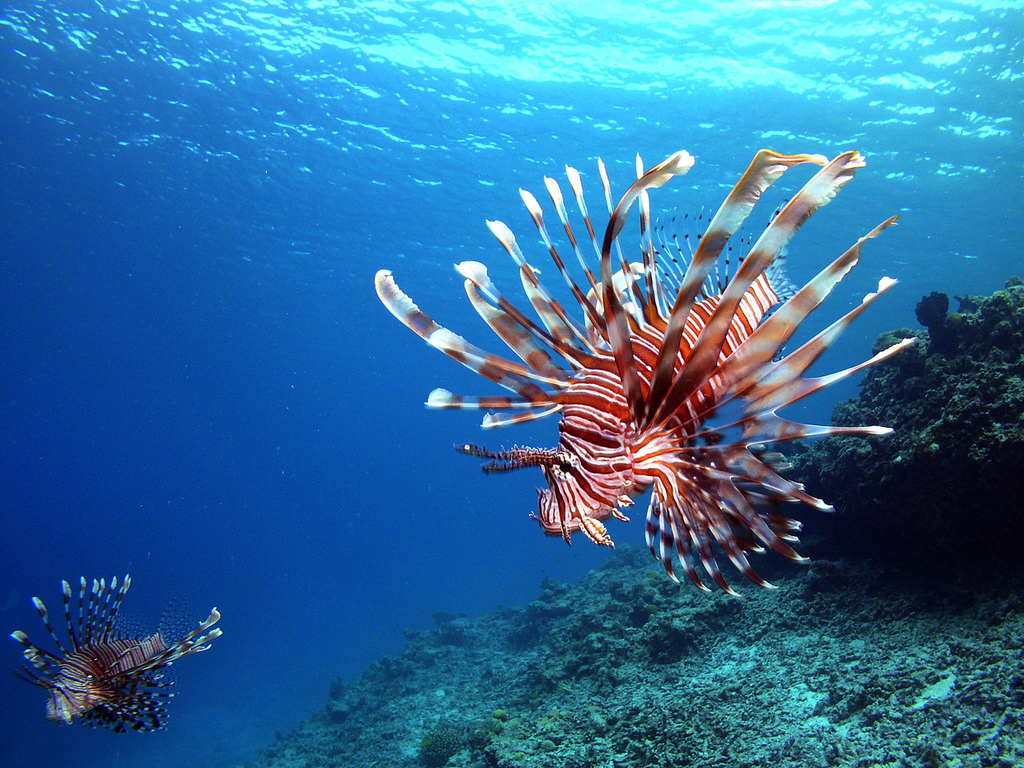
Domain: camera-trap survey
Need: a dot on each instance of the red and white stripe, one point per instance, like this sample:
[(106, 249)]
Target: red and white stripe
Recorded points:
[(643, 379)]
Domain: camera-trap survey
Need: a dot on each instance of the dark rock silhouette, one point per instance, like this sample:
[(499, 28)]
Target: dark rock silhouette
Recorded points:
[(949, 481)]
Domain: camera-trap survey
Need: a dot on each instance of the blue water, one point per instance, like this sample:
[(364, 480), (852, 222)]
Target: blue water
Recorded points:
[(198, 384)]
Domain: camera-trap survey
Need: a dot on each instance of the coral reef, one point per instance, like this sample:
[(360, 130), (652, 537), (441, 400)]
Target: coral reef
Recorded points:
[(843, 665), (948, 483)]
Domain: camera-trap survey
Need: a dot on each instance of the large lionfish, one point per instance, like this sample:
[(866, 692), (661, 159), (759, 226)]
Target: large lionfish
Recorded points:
[(659, 352), (108, 677)]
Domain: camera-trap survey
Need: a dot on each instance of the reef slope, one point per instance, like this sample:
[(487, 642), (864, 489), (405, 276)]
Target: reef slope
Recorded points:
[(844, 664)]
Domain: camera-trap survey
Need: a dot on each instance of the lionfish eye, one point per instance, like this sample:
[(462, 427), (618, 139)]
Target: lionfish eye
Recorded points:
[(566, 462)]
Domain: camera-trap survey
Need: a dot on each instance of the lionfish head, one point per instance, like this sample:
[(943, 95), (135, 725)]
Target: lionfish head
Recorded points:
[(561, 511), (575, 499), (68, 701)]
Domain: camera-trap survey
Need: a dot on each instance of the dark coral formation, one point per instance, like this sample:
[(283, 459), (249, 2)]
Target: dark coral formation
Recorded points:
[(949, 483), (440, 745), (843, 665), (933, 313)]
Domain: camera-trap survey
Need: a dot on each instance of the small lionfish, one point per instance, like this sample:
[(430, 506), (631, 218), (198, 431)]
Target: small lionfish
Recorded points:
[(108, 677), (660, 352)]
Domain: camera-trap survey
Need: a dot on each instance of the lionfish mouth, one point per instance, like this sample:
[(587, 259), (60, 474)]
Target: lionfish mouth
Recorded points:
[(663, 346), (519, 457)]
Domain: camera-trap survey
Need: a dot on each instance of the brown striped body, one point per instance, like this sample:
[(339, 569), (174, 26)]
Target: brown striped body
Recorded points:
[(98, 676), (613, 463), (671, 378), (107, 677)]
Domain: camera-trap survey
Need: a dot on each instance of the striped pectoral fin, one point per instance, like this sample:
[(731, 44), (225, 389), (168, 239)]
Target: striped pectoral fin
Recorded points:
[(735, 541), (766, 341), (194, 642), (758, 483), (493, 420), (666, 542), (772, 531), (535, 409), (768, 427), (816, 193), (442, 398), (784, 385), (702, 541), (751, 477), (200, 642), (718, 508), (726, 515), (764, 170), (686, 518), (513, 376), (798, 361), (523, 337), (560, 326)]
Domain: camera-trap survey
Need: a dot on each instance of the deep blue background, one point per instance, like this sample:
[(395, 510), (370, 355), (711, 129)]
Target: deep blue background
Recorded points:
[(198, 384)]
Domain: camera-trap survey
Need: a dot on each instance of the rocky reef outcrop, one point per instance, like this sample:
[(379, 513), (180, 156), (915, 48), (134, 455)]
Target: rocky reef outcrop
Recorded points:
[(949, 483)]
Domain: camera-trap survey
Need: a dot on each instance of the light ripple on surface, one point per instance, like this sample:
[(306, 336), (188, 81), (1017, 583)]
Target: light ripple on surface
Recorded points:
[(240, 95)]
